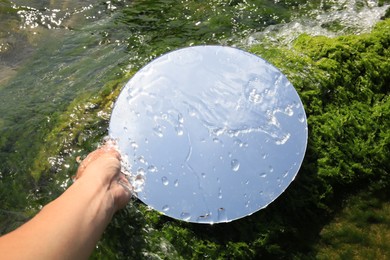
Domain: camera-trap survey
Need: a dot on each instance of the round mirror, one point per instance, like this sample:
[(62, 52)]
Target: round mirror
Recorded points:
[(210, 133)]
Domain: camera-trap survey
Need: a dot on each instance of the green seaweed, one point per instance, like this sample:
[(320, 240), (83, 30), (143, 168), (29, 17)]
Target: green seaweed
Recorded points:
[(81, 126), (5, 7)]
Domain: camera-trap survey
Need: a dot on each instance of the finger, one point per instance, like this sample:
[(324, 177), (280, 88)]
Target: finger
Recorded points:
[(122, 192), (124, 182), (104, 151), (105, 169)]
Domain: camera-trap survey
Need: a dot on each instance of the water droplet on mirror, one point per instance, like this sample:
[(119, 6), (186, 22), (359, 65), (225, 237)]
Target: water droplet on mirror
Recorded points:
[(222, 217), (204, 218), (283, 139), (165, 208), (220, 193), (158, 131), (125, 128), (152, 168), (192, 112), (217, 141), (238, 142), (138, 183), (233, 133), (164, 116), (165, 181), (179, 130), (180, 118), (271, 169), (301, 118), (141, 159), (255, 97), (141, 171), (235, 165), (263, 175), (176, 183), (185, 216), (289, 111), (134, 145), (218, 131)]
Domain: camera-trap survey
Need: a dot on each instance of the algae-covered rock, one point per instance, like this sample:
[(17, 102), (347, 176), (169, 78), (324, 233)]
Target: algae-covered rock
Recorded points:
[(344, 84), (77, 130)]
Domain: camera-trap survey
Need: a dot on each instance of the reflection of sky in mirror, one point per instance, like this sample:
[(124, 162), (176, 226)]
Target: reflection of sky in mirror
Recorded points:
[(217, 133)]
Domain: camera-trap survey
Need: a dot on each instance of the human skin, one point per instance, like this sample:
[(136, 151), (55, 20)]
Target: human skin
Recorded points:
[(70, 226)]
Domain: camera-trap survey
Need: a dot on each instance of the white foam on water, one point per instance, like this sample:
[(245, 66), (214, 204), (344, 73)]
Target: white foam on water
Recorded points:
[(345, 14)]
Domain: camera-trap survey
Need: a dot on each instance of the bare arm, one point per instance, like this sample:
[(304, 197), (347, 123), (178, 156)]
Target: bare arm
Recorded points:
[(70, 226)]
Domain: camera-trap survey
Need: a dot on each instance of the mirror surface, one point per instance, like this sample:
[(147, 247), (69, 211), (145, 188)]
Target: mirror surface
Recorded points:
[(210, 133)]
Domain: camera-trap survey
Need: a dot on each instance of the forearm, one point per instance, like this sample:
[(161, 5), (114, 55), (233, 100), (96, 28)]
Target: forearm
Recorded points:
[(67, 228), (70, 226)]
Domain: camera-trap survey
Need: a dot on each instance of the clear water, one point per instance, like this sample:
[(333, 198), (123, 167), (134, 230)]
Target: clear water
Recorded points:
[(52, 52)]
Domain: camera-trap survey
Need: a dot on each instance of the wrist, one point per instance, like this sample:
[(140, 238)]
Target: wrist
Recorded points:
[(95, 195)]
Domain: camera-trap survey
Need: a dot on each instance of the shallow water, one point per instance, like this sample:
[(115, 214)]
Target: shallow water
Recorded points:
[(52, 52)]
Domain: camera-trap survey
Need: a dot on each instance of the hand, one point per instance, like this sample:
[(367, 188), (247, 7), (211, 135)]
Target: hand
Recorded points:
[(103, 166), (70, 226)]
